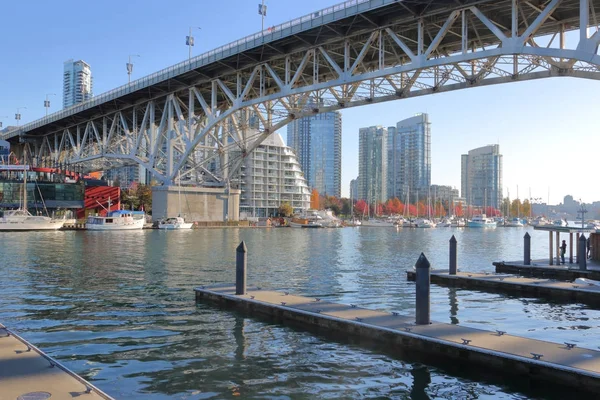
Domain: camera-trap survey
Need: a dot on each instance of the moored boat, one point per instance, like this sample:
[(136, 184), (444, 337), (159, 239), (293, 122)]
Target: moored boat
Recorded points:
[(117, 220), (481, 221), (174, 223)]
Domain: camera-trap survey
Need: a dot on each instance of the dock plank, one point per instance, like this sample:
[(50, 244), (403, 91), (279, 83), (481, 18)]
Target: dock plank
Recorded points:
[(558, 363), (535, 287), (24, 371)]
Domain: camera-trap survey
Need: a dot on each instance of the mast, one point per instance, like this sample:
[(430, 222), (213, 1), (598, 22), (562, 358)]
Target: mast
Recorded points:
[(179, 190), (25, 180)]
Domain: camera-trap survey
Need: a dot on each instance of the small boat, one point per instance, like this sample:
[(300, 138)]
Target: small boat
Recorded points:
[(116, 221), (22, 220), (560, 222), (299, 222), (481, 221), (514, 223), (174, 223), (458, 223), (377, 223), (424, 223), (586, 281)]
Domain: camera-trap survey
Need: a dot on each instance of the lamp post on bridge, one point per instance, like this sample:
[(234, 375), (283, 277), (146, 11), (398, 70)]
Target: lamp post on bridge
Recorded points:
[(47, 102), (130, 67), (189, 41), (18, 114), (262, 10)]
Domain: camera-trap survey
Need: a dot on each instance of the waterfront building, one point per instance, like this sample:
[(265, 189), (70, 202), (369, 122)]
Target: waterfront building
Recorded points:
[(317, 141), (269, 176), (354, 189), (77, 82), (409, 157), (372, 164), (481, 176)]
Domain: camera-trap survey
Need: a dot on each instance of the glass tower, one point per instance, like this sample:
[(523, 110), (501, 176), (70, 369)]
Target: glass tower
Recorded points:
[(409, 157), (481, 176), (77, 82), (372, 164), (317, 141)]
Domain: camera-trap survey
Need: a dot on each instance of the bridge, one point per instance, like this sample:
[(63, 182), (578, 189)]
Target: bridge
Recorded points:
[(201, 117)]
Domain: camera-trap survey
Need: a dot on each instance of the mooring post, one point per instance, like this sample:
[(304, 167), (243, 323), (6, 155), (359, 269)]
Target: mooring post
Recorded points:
[(241, 261), (453, 256), (527, 249), (581, 253), (423, 281)]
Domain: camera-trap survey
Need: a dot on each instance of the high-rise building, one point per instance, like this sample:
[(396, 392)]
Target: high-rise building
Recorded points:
[(77, 83), (372, 164), (354, 189), (269, 176), (481, 176), (317, 140), (126, 175), (409, 157)]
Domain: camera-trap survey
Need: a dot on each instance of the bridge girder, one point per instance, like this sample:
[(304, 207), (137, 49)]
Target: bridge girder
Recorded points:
[(204, 130)]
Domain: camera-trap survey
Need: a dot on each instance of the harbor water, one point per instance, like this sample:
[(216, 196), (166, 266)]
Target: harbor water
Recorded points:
[(118, 308)]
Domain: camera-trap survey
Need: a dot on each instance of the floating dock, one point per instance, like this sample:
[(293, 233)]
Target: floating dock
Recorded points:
[(27, 373), (563, 363), (540, 268), (534, 287)]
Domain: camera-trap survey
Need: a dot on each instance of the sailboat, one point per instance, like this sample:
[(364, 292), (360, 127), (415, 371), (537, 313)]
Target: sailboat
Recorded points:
[(177, 222), (22, 220)]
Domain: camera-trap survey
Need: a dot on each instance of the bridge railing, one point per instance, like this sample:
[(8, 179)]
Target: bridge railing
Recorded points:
[(195, 62)]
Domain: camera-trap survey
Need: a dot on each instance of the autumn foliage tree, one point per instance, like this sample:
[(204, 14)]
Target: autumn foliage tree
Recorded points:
[(314, 199), (361, 207)]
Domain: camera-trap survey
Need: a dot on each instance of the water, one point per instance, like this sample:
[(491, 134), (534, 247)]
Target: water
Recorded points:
[(118, 308)]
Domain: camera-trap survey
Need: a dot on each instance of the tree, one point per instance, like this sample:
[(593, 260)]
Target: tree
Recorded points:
[(361, 207), (314, 199), (526, 208), (346, 207), (515, 208), (286, 209), (506, 207), (144, 195)]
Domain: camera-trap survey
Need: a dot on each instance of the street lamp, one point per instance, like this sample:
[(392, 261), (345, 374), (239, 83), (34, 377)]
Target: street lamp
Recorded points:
[(18, 114), (47, 102), (189, 41), (130, 67), (262, 10)]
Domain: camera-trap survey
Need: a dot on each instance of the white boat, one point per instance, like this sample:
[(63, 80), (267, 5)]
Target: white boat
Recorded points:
[(560, 222), (514, 223), (444, 223), (377, 223), (424, 223), (22, 220), (481, 221), (328, 220), (174, 223), (353, 222), (117, 220), (458, 222)]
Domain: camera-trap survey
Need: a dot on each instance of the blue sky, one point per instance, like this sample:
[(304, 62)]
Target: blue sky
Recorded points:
[(547, 129)]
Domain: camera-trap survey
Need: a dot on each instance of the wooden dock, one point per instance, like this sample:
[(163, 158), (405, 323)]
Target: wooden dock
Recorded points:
[(534, 287), (27, 373), (554, 363), (540, 268)]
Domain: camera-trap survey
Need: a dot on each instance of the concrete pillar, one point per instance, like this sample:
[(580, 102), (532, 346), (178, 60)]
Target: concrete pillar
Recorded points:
[(570, 247), (241, 261), (557, 248), (453, 256), (581, 253), (423, 280), (527, 249), (551, 246)]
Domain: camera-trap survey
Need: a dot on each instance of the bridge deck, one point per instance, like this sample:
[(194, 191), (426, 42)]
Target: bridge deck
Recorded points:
[(576, 367), (24, 372), (534, 287)]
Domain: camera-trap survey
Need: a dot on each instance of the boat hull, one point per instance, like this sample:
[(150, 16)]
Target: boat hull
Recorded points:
[(22, 227), (115, 227), (185, 225)]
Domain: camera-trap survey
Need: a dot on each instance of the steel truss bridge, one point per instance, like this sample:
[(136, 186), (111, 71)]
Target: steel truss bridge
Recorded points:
[(200, 118)]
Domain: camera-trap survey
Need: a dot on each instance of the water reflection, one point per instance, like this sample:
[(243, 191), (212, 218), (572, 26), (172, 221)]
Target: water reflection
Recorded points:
[(119, 309)]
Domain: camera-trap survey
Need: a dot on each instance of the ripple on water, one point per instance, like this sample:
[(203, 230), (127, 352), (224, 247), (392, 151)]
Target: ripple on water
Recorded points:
[(119, 309)]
